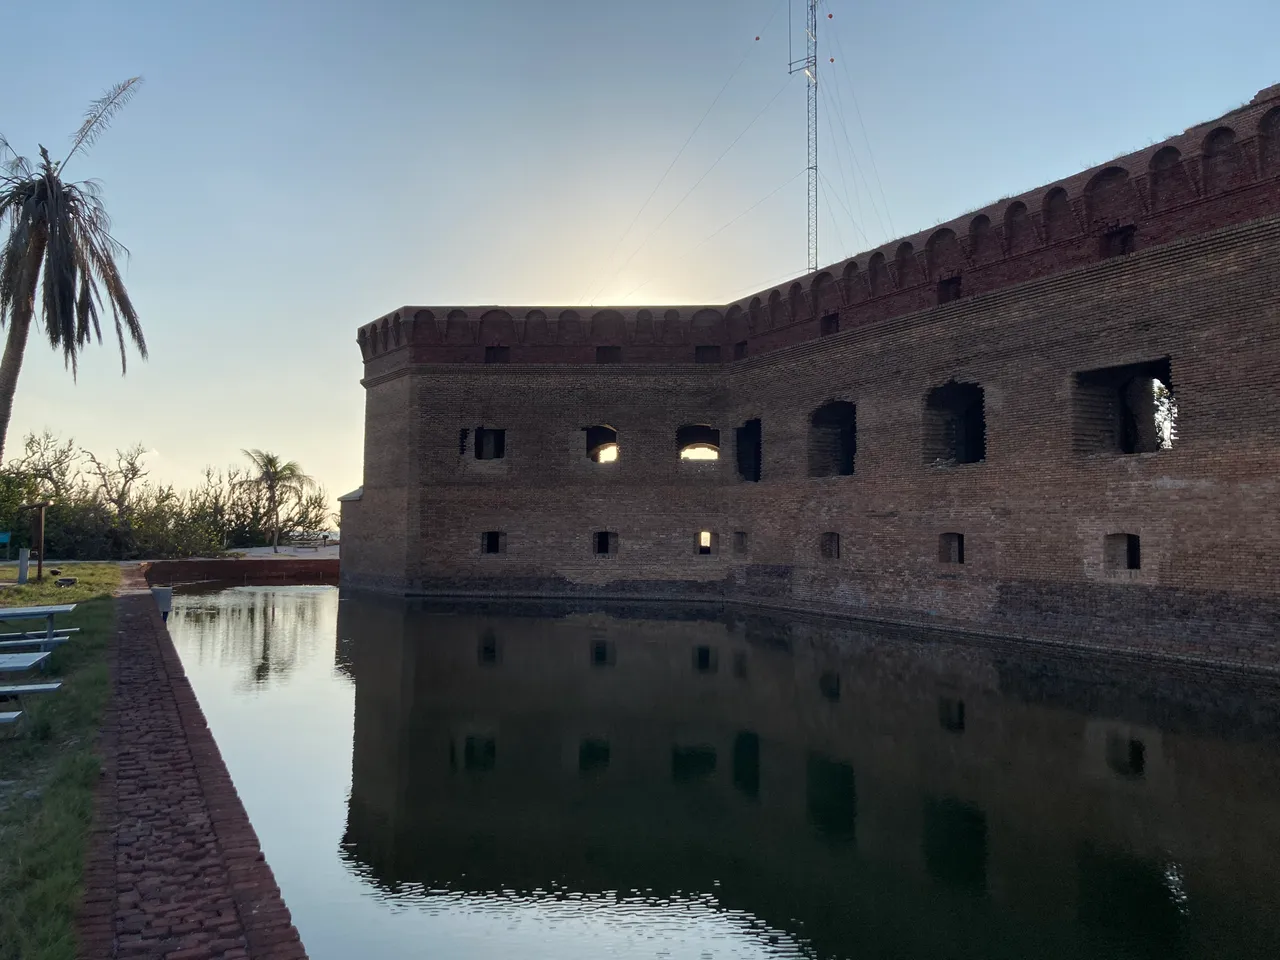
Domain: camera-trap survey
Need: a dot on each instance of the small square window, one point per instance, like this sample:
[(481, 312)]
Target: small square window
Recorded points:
[(829, 546), (949, 290), (710, 354), (497, 354), (740, 543), (1122, 551), (706, 544), (493, 541), (951, 548), (605, 543), (830, 324), (490, 444), (608, 354), (1119, 242), (740, 350)]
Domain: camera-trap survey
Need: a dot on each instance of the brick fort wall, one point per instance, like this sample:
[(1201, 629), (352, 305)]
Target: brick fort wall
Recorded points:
[(959, 428)]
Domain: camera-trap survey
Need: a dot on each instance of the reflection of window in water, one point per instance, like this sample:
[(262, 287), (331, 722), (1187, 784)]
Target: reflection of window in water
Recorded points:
[(692, 763), (1126, 756), (955, 843), (746, 763), (831, 797), (479, 753), (593, 755)]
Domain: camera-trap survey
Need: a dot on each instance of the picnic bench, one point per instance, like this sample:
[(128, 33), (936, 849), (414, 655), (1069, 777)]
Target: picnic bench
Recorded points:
[(39, 641), (12, 614), (309, 542), (22, 662)]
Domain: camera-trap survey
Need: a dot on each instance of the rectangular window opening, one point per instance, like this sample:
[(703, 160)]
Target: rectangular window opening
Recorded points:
[(602, 654), (1126, 410), (740, 543), (748, 441), (833, 439), (497, 354), (706, 544), (829, 685), (829, 546), (955, 425), (705, 659), (488, 653), (490, 444), (1119, 241), (949, 290), (706, 354), (606, 543), (951, 548), (740, 350), (493, 541), (608, 354), (1122, 551), (829, 324)]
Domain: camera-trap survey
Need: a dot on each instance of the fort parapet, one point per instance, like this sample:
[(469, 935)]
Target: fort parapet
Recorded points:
[(1056, 416)]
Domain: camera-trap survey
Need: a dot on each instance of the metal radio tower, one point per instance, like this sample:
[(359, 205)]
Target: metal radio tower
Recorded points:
[(809, 66)]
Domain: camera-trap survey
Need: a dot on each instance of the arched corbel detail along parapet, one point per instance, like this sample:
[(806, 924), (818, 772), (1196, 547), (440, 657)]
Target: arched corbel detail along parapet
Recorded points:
[(458, 328), (673, 327), (1109, 198), (1059, 222), (496, 329), (384, 334), (708, 326), (570, 328), (796, 304), (905, 266), (735, 324), (428, 328), (943, 255), (878, 275), (1221, 161), (644, 329), (853, 284), (1167, 182), (755, 315), (983, 243), (776, 316), (1019, 232), (1269, 142), (397, 330), (608, 328), (362, 341), (823, 293)]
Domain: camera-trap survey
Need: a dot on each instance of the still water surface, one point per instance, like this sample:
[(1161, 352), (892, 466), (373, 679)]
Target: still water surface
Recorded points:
[(547, 782)]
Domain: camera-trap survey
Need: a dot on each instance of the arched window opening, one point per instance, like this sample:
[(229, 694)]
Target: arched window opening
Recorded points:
[(602, 443), (833, 439), (698, 442)]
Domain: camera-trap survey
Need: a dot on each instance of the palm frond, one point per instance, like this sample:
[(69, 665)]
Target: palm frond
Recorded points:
[(98, 117)]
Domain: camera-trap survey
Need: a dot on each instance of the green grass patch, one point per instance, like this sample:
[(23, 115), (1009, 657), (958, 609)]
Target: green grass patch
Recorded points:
[(48, 770)]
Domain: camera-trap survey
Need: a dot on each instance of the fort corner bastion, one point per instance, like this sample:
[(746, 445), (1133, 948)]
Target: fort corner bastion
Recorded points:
[(1055, 417)]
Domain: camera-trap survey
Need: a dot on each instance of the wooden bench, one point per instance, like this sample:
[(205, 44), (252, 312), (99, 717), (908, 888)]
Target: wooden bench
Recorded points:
[(23, 689), (43, 643), (28, 635)]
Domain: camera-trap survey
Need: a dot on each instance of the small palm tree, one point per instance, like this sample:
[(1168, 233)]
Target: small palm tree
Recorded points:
[(280, 481), (59, 249)]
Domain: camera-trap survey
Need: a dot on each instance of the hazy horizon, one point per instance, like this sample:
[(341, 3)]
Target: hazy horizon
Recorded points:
[(286, 174)]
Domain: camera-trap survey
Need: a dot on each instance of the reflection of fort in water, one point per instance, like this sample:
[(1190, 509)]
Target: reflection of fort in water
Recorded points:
[(860, 791)]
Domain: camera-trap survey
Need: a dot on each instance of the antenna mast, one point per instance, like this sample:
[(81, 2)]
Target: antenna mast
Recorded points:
[(809, 67)]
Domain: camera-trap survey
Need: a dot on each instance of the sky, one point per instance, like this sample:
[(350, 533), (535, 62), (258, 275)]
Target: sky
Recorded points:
[(290, 170)]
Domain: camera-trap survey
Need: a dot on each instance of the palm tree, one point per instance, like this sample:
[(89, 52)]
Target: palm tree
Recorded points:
[(279, 480), (59, 248)]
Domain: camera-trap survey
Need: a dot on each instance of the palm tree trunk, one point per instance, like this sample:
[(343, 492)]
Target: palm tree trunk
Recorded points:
[(15, 346)]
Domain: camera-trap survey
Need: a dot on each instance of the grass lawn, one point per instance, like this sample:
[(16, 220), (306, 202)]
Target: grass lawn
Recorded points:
[(48, 770)]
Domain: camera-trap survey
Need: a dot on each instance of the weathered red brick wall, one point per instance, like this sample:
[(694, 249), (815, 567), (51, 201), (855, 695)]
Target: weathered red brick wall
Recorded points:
[(265, 570), (1034, 512)]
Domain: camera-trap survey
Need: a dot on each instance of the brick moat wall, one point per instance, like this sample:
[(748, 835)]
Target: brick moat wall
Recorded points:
[(1063, 531)]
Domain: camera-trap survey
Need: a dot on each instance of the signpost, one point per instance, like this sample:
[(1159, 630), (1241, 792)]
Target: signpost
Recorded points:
[(4, 538), (37, 532)]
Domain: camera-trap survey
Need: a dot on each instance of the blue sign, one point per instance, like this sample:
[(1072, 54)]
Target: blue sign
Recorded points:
[(4, 538)]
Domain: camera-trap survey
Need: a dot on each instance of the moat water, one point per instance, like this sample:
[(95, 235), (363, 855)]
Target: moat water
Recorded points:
[(552, 782)]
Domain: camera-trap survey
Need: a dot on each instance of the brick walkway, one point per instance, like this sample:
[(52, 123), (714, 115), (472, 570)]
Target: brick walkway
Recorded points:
[(173, 867)]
